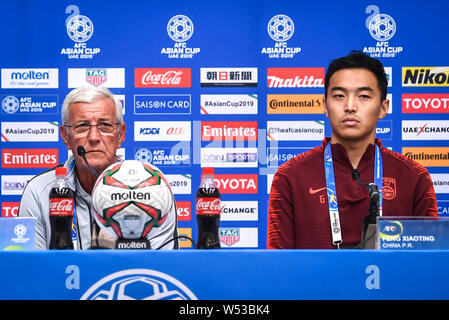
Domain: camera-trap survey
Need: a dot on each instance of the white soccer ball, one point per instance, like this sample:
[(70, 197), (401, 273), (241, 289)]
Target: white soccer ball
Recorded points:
[(130, 198)]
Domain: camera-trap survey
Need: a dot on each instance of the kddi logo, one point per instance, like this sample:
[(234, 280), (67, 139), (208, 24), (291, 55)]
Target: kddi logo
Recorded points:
[(79, 29), (180, 29), (280, 28), (382, 28)]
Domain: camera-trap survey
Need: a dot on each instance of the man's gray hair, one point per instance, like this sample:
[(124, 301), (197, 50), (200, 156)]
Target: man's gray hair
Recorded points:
[(89, 94)]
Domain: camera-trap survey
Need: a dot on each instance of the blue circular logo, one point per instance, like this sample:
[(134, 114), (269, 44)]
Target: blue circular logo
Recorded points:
[(281, 28), (180, 28), (138, 284)]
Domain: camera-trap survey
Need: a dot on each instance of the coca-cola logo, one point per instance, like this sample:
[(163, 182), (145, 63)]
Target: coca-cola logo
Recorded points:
[(61, 207), (162, 77), (209, 204), (168, 78)]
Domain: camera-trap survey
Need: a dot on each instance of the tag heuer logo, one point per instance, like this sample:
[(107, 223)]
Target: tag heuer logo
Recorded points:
[(229, 236), (96, 77)]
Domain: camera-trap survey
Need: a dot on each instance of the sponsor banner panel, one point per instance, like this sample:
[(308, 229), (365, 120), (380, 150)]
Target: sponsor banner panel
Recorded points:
[(228, 77), (443, 207), (30, 131), (180, 183), (13, 185), (229, 104), (237, 183), (425, 103), (295, 130), (162, 131), (428, 156), (440, 182), (239, 210), (229, 157), (425, 130), (107, 77), (229, 130), (162, 78), (29, 104), (183, 242), (279, 155), (160, 104), (29, 158), (164, 157), (384, 130), (295, 104), (184, 210), (238, 237), (30, 78), (295, 77), (425, 76), (10, 209)]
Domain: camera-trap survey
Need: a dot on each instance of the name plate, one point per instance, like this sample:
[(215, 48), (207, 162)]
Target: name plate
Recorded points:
[(412, 233), (17, 234)]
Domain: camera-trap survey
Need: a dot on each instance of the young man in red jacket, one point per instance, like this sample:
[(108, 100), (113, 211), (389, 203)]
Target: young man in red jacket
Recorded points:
[(315, 199)]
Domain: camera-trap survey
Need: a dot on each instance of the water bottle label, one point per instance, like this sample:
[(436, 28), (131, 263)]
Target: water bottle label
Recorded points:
[(61, 207), (208, 206)]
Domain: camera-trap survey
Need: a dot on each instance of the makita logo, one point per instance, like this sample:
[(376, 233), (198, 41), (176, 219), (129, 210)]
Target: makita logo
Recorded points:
[(130, 195), (425, 76), (295, 77), (30, 75)]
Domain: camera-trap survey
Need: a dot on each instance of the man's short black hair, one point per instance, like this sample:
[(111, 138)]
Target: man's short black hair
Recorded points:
[(358, 60)]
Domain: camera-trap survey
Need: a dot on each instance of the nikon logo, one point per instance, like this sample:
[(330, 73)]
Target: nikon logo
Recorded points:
[(425, 76), (130, 195)]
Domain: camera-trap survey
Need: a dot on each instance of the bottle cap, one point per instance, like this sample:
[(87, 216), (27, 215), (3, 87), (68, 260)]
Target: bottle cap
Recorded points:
[(61, 171), (208, 171)]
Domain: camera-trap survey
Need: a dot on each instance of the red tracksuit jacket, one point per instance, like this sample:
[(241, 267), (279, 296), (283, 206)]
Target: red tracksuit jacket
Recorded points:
[(298, 213)]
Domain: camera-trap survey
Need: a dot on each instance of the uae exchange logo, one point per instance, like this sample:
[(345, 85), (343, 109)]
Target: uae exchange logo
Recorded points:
[(80, 28), (281, 28), (138, 284), (382, 27), (180, 28)]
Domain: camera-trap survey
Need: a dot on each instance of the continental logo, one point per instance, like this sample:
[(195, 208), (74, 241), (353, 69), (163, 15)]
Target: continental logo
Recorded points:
[(425, 76), (428, 156), (295, 103)]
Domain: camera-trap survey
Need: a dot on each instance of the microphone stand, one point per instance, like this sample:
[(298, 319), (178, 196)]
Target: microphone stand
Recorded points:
[(370, 221)]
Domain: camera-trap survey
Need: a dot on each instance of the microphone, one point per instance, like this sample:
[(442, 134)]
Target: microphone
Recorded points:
[(82, 153), (370, 220)]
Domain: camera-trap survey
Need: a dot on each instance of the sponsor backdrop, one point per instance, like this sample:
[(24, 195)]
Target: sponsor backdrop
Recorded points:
[(236, 85)]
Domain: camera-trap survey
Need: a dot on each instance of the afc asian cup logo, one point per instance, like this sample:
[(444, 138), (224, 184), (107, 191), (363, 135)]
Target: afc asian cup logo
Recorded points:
[(144, 155), (281, 28), (138, 284), (80, 28), (20, 230), (180, 28), (382, 27), (10, 104)]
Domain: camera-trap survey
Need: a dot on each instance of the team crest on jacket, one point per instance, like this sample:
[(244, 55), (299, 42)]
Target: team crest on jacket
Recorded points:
[(389, 188)]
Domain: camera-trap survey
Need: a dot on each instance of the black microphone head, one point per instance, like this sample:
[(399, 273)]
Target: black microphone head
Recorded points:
[(81, 151)]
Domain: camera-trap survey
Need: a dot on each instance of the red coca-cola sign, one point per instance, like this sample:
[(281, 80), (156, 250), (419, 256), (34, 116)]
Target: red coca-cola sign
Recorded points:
[(208, 206), (61, 207), (162, 78)]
